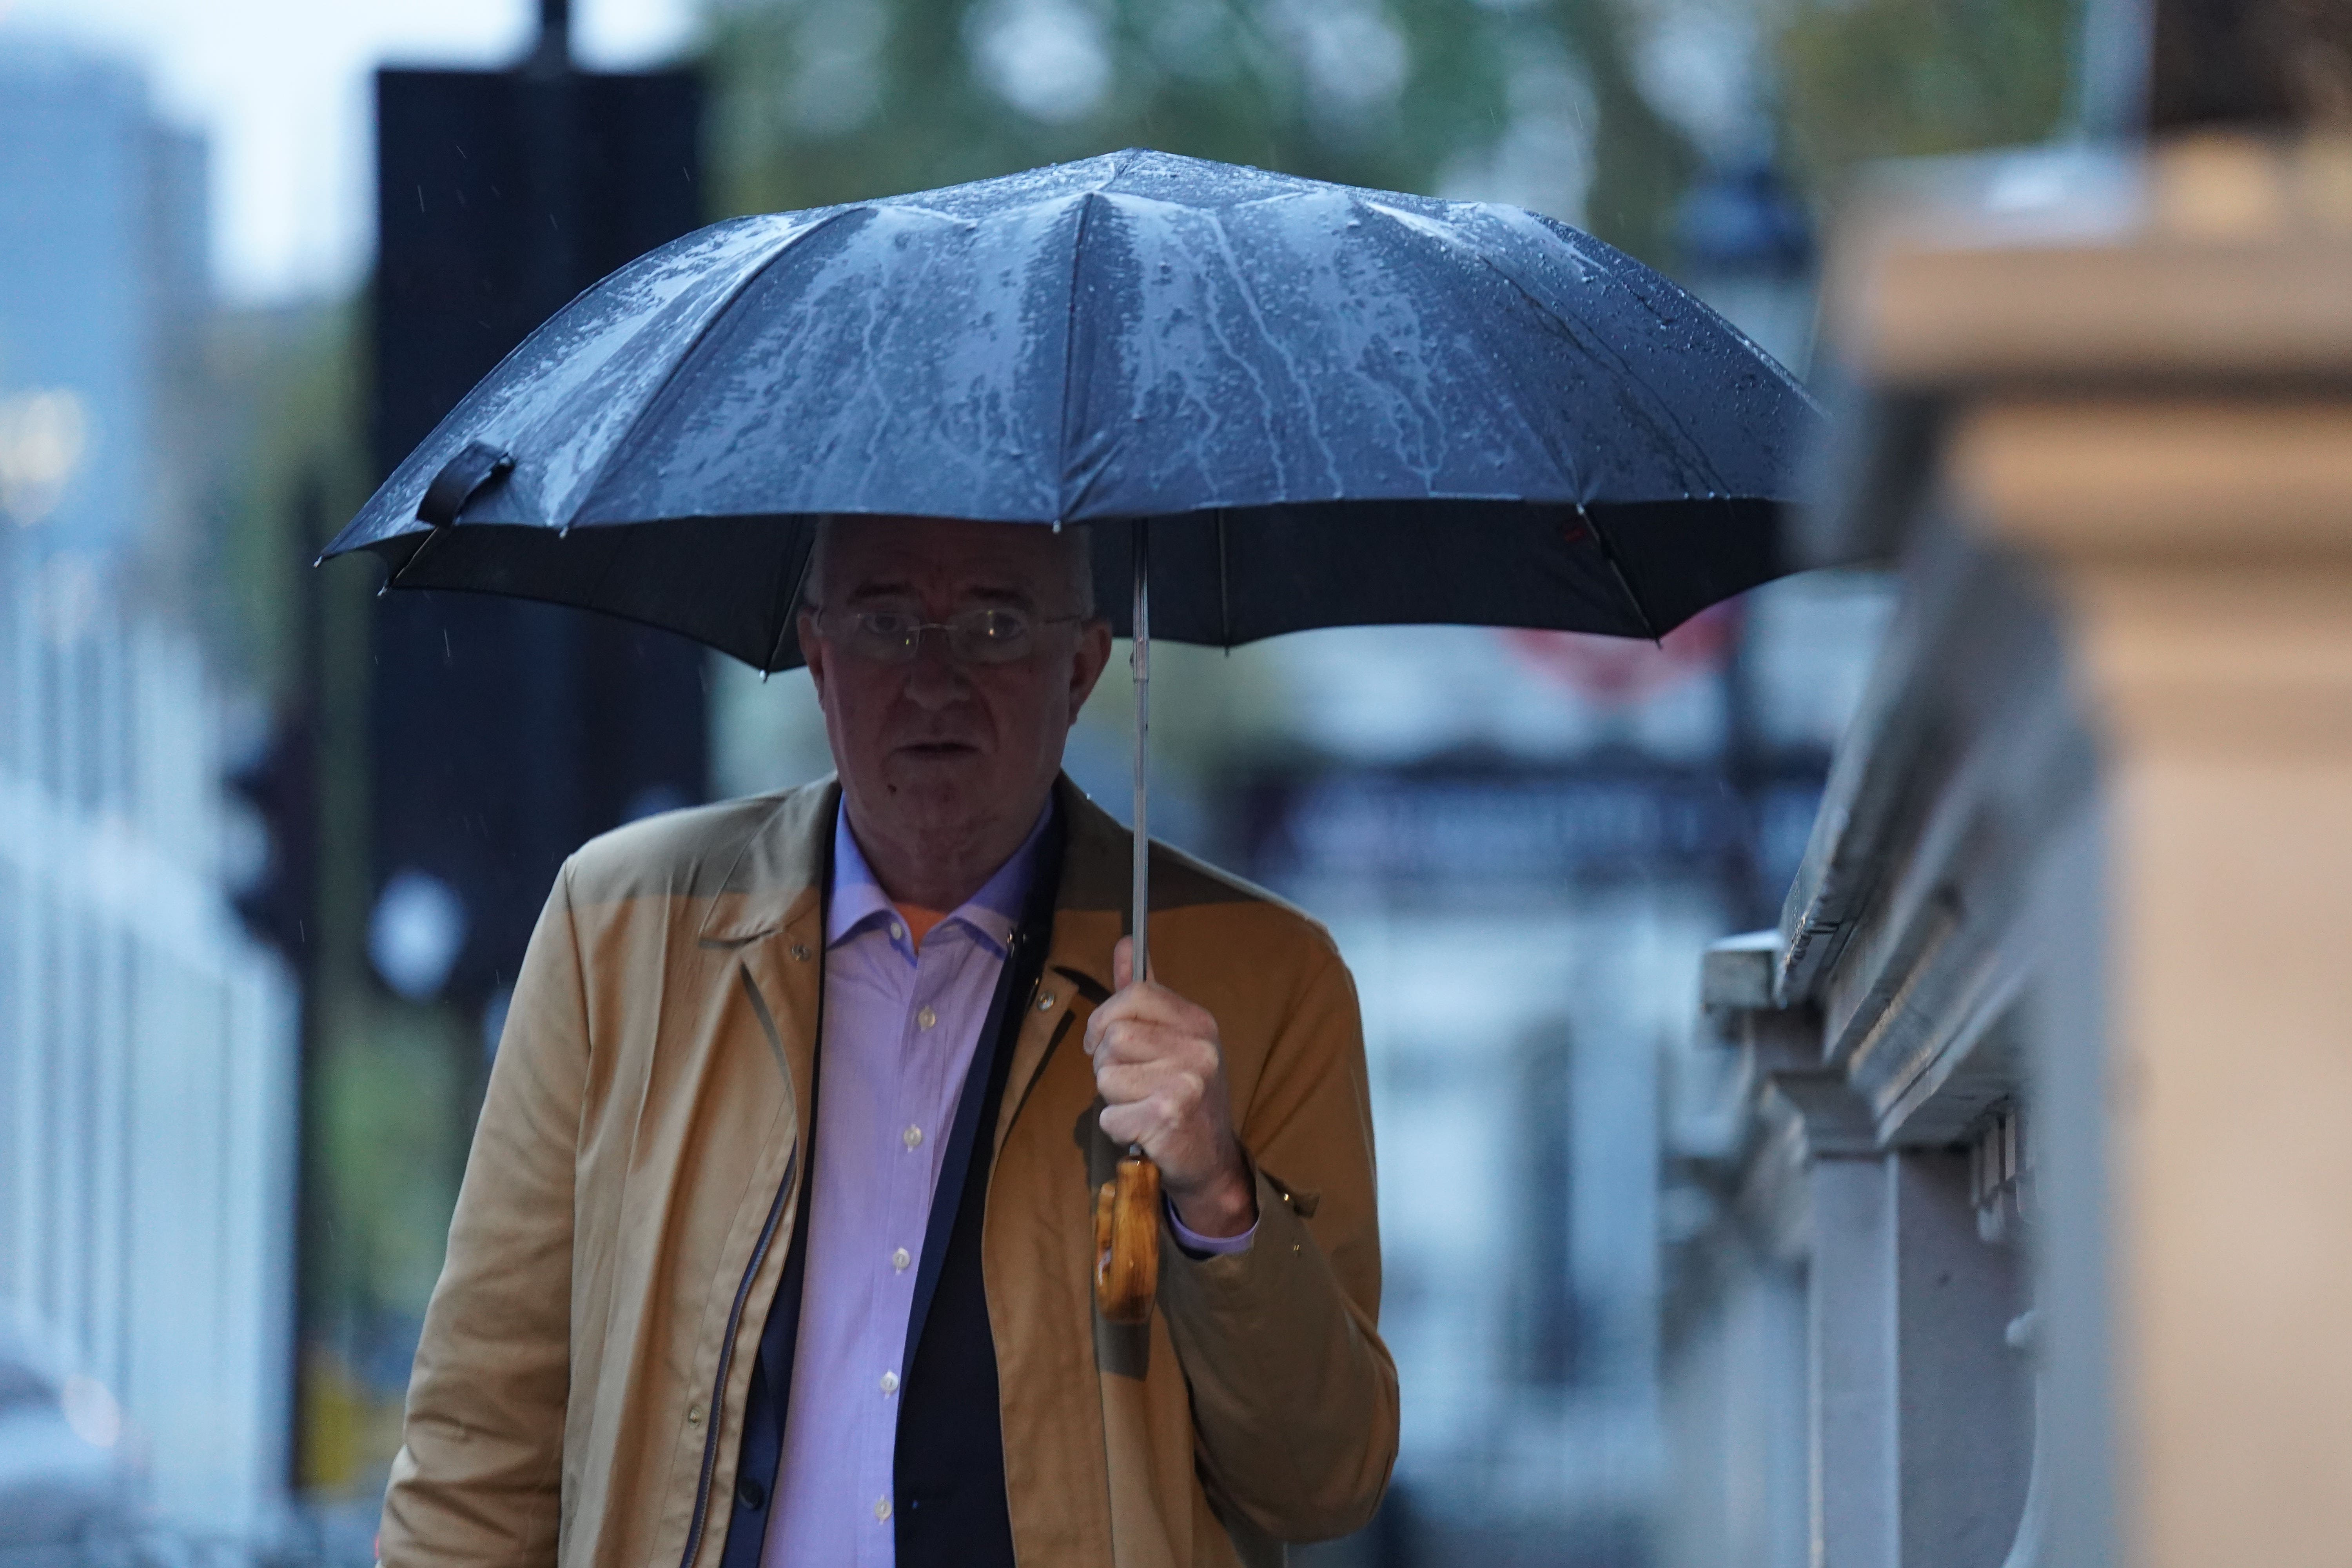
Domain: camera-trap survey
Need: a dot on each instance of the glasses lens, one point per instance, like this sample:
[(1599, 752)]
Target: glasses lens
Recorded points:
[(988, 637), (884, 634), (976, 636)]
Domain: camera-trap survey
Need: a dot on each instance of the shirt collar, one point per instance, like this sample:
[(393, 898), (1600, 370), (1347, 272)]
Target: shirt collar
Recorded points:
[(993, 912)]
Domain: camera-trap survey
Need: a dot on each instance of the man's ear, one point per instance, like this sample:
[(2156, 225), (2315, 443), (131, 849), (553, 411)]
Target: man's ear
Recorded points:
[(1092, 654)]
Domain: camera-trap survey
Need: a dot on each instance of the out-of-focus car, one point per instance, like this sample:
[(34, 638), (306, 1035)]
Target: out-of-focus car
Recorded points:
[(67, 1491)]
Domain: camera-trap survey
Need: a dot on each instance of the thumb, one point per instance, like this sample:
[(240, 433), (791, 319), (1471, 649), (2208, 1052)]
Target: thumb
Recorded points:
[(1122, 963)]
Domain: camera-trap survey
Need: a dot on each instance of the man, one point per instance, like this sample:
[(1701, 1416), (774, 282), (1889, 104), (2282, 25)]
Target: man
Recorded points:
[(775, 1244)]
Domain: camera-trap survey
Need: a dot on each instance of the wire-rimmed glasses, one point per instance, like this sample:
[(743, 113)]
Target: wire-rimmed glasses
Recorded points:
[(987, 635)]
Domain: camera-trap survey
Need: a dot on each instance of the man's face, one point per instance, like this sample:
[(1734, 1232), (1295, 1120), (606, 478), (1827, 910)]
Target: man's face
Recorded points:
[(939, 756)]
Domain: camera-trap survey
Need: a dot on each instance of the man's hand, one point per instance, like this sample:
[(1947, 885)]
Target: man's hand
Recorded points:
[(1162, 1077)]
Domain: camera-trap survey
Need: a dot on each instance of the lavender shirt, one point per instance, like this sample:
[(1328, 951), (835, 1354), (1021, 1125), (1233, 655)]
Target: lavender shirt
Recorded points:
[(900, 1028)]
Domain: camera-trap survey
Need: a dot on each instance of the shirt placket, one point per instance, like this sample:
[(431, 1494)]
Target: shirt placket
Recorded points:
[(913, 1130)]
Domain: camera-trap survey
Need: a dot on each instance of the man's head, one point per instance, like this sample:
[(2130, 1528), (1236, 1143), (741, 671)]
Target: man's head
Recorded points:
[(946, 756)]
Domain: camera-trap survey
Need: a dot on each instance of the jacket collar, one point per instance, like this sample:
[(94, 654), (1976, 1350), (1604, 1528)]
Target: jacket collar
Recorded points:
[(777, 879)]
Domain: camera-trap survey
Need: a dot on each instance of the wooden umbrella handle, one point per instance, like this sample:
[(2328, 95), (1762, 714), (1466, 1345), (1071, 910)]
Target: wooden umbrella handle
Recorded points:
[(1127, 1241)]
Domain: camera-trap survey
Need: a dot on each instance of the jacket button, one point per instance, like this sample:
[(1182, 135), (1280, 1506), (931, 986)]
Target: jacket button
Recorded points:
[(750, 1493)]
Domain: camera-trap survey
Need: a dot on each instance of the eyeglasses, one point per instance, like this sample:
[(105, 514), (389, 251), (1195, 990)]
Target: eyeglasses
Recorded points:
[(974, 637)]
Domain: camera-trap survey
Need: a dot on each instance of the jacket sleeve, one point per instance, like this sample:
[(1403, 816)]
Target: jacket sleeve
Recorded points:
[(1294, 1396), (478, 1478)]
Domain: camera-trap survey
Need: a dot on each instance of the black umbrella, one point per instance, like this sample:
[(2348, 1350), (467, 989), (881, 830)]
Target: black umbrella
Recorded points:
[(1304, 404)]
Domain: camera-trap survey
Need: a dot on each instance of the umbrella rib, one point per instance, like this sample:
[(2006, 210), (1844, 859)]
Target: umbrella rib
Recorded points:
[(1563, 460), (402, 569), (1609, 554), (710, 324), (1070, 360), (1595, 343), (784, 620)]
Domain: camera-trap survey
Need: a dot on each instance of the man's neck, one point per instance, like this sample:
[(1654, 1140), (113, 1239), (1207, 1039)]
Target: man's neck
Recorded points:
[(944, 876)]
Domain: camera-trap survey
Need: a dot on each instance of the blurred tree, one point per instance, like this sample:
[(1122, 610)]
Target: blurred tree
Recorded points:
[(1641, 162), (825, 100), (1877, 78)]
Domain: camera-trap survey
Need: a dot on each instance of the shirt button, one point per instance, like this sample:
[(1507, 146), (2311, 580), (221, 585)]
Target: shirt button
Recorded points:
[(900, 1259), (881, 1508), (889, 1382), (897, 932), (927, 1017), (912, 1137)]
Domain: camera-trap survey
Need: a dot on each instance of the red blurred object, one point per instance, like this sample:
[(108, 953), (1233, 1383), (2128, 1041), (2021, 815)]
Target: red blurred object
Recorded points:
[(1619, 671)]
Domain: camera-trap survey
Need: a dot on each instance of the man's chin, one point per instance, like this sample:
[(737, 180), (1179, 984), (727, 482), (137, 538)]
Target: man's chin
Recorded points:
[(936, 767), (950, 781)]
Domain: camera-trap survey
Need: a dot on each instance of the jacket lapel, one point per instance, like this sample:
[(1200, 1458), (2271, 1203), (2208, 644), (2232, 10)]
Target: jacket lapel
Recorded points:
[(769, 910), (1077, 973)]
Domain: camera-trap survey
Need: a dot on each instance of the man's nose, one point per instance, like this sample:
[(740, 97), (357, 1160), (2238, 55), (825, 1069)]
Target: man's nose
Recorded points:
[(934, 679)]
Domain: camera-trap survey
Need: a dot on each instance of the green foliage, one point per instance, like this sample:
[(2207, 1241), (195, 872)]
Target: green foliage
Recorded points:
[(826, 101), (823, 100), (1880, 78), (1642, 163)]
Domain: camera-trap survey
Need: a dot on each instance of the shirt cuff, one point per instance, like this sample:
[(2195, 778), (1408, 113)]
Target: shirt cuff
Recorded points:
[(1200, 1245)]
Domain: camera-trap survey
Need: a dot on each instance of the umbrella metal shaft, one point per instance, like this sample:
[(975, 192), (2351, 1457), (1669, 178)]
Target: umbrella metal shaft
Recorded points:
[(1139, 665), (1127, 1207)]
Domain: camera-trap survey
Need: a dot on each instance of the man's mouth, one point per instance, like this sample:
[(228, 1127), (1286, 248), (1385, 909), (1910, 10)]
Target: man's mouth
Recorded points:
[(939, 749)]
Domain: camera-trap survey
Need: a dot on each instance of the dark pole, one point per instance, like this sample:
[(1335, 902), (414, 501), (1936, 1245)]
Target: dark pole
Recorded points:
[(2111, 69), (305, 720), (553, 50)]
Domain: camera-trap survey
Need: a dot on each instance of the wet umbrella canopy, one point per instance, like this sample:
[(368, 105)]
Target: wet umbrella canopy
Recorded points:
[(1301, 405), (1339, 406)]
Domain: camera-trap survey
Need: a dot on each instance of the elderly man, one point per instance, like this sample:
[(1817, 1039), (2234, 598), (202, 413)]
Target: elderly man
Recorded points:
[(775, 1244)]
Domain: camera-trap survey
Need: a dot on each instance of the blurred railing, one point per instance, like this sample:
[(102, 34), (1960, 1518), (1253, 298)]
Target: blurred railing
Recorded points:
[(147, 1070)]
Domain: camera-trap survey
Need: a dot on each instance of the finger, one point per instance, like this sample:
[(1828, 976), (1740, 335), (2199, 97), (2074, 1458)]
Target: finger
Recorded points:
[(1122, 963), (1144, 1122), (1179, 1092), (1147, 1007), (1156, 1003), (1133, 1040), (1126, 1124)]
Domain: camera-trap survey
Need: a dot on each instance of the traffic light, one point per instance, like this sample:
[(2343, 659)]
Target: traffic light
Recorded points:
[(276, 902), (506, 733)]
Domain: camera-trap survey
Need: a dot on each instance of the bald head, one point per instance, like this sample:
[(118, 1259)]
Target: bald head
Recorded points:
[(1068, 557)]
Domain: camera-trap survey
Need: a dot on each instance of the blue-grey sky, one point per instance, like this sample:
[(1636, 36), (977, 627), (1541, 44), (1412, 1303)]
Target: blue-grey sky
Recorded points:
[(279, 89)]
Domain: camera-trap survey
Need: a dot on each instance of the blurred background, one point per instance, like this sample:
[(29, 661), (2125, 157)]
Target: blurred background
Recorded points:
[(270, 847)]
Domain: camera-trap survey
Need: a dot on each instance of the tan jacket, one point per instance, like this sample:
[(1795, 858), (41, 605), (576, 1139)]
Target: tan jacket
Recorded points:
[(579, 1391)]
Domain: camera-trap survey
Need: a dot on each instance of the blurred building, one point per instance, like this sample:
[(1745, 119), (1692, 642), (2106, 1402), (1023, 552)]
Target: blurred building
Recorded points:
[(1523, 845), (147, 1046), (102, 247)]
